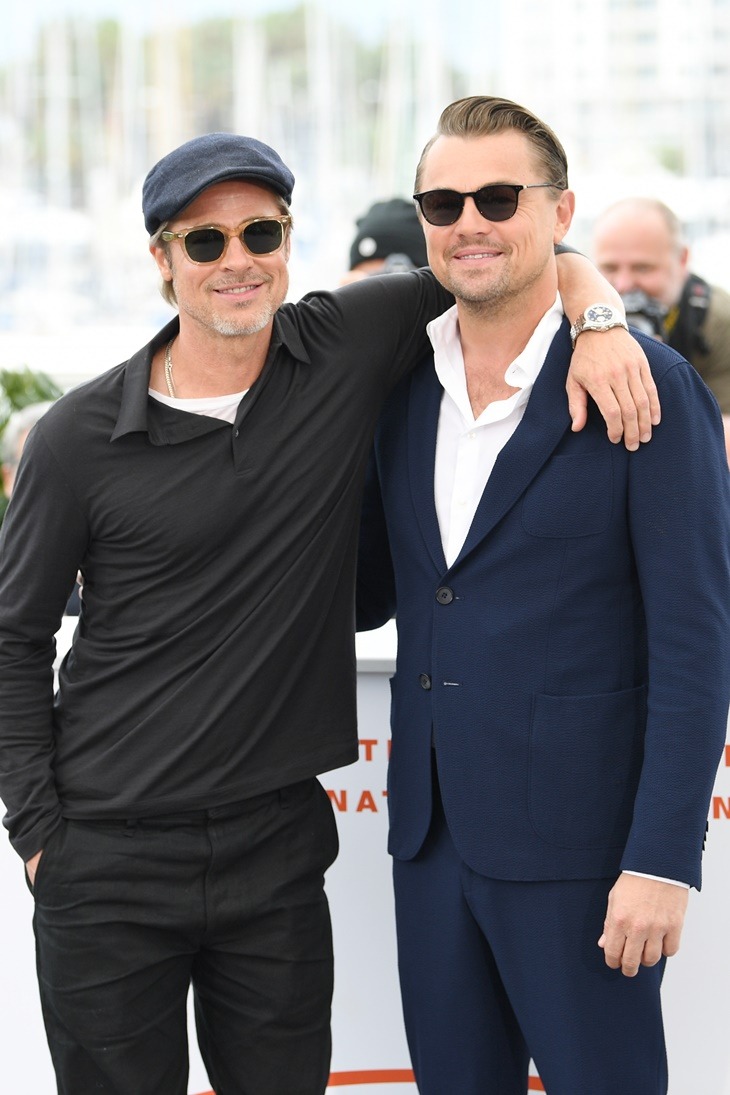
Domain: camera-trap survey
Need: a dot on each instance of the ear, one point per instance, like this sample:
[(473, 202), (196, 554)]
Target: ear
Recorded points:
[(159, 254), (564, 211)]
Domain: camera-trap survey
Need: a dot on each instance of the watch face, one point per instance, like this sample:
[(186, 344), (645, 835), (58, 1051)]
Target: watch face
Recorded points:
[(599, 313)]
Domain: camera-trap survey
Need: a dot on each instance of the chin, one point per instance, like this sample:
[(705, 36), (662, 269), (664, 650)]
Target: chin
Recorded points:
[(249, 326)]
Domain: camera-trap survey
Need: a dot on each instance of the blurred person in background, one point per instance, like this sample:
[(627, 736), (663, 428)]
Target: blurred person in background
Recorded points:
[(639, 245), (17, 428), (166, 804), (389, 240)]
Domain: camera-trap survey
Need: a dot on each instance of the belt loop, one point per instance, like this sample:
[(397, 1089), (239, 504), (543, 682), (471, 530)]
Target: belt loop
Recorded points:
[(130, 829)]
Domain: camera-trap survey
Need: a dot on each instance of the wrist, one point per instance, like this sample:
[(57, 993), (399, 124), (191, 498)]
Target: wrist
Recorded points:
[(597, 317)]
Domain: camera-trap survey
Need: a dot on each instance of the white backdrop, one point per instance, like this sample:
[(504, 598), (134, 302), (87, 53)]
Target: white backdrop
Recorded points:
[(369, 1051)]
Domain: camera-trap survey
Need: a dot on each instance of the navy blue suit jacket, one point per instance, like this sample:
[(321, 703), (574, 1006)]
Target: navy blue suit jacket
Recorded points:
[(571, 668)]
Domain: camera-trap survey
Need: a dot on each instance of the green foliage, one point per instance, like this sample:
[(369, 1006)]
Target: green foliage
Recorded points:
[(18, 389), (21, 387)]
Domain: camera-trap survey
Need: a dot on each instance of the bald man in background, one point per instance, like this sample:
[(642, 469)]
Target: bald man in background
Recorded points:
[(639, 245)]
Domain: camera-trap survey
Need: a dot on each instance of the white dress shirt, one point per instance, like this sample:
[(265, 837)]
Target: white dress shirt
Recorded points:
[(467, 448)]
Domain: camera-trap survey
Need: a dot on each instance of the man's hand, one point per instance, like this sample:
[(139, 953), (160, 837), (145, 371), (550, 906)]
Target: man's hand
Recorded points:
[(31, 866), (643, 922), (611, 367)]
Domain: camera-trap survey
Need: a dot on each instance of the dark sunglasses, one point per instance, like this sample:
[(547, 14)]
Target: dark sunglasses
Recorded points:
[(208, 243), (495, 203)]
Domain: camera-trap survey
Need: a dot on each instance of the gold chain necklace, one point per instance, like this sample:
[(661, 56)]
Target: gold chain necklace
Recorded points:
[(168, 369)]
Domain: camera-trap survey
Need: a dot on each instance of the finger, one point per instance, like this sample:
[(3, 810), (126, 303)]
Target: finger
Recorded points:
[(642, 404), (652, 952), (610, 408), (651, 390), (629, 416), (631, 957), (577, 404), (670, 943), (613, 946)]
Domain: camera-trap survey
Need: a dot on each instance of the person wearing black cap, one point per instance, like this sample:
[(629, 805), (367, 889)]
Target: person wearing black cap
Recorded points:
[(166, 804), (389, 240)]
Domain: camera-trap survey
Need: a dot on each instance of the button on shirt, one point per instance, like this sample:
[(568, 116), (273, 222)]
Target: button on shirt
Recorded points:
[(467, 448)]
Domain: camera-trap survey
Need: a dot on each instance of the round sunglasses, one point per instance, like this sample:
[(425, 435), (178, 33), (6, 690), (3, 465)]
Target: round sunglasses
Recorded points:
[(209, 242), (495, 203)]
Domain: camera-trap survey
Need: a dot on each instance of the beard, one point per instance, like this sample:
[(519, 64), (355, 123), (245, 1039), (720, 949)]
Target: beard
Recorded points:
[(233, 327), (245, 319), (489, 295)]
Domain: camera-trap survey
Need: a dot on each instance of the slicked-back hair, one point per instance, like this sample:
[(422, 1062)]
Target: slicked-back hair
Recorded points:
[(483, 115)]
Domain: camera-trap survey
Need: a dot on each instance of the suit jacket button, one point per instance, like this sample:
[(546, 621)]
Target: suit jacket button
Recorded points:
[(444, 595), (425, 682)]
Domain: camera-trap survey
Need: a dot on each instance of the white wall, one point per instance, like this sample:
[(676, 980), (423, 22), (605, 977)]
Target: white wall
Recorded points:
[(368, 1042)]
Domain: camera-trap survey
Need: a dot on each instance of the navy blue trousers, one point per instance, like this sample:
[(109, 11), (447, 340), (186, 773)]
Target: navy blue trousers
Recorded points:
[(494, 972), (129, 914)]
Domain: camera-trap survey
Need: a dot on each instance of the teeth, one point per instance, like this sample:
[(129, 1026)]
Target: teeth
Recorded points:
[(237, 289)]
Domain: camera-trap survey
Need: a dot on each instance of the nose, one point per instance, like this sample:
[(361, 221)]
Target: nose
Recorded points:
[(471, 219), (623, 281), (236, 254)]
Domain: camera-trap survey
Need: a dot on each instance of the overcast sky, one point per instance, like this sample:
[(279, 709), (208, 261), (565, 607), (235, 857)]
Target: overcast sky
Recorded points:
[(21, 17)]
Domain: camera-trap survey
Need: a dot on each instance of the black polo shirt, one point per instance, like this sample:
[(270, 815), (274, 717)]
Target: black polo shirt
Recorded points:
[(214, 655)]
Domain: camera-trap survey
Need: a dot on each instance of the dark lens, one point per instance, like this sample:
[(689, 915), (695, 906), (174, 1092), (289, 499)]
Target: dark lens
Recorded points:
[(205, 244), (263, 237), (442, 207), (496, 203)]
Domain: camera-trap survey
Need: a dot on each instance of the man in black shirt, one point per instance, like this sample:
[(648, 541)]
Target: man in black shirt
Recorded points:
[(166, 802)]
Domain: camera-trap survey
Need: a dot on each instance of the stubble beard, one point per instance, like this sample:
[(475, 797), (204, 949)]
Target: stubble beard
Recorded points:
[(501, 296), (232, 326)]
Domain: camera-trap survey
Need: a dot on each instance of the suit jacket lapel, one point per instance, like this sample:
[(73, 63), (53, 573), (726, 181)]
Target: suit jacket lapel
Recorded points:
[(423, 414), (544, 422)]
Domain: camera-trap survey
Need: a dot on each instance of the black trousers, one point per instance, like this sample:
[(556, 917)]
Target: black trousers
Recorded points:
[(129, 914)]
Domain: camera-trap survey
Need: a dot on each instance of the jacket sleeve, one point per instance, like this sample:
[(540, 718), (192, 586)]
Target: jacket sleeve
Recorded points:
[(679, 512), (42, 543)]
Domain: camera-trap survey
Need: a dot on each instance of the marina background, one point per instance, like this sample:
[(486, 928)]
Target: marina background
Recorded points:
[(93, 92)]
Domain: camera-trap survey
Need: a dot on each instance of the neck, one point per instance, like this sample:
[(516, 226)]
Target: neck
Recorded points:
[(490, 342), (194, 367), (494, 333)]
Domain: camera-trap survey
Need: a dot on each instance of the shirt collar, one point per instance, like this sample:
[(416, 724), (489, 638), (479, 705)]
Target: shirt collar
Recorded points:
[(521, 373), (164, 425)]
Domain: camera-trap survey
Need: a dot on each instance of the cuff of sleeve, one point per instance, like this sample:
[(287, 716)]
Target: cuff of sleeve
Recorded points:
[(657, 878)]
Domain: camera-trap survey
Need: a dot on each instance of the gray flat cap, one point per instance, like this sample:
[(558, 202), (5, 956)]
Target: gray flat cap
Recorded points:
[(185, 172)]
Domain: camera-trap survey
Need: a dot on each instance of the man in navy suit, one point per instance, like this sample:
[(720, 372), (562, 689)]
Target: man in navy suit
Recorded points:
[(561, 691)]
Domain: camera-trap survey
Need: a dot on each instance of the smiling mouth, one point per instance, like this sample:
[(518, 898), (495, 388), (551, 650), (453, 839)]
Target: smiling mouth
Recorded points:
[(237, 290), (472, 256)]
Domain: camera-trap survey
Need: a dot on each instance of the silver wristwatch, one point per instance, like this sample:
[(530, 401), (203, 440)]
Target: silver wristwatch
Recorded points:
[(598, 317)]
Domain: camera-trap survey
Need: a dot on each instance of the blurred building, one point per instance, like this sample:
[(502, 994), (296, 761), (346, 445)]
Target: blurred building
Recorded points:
[(638, 90)]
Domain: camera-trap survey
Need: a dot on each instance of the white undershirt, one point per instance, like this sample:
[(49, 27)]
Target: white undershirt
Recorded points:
[(467, 448), (224, 407)]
